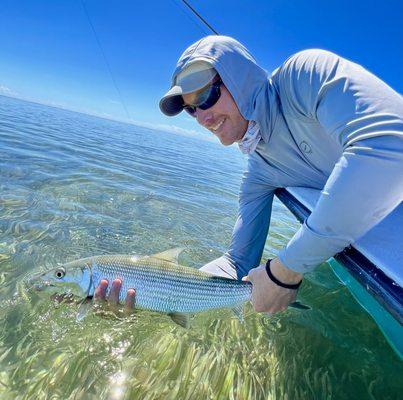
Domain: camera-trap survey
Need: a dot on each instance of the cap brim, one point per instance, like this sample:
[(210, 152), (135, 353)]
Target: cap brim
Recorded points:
[(172, 102)]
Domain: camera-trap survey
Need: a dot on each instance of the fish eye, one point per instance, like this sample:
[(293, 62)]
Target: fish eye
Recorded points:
[(60, 273)]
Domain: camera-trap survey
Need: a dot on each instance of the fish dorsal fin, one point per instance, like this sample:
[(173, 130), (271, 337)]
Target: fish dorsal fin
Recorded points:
[(171, 255)]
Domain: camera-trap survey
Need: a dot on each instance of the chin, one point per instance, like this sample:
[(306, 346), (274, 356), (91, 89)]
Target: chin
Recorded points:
[(226, 141)]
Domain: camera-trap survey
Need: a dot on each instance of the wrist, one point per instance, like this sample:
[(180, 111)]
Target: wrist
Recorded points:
[(284, 274)]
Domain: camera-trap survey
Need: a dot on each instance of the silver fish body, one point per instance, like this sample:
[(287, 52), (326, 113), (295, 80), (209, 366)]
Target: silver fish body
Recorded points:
[(161, 284), (168, 287)]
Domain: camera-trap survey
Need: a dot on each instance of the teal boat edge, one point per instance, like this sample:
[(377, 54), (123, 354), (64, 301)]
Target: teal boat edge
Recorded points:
[(391, 328)]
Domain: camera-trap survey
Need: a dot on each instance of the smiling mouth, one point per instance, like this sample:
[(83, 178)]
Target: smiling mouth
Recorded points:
[(217, 126)]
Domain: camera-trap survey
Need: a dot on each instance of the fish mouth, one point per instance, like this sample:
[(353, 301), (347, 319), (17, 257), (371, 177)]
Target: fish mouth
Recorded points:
[(37, 282)]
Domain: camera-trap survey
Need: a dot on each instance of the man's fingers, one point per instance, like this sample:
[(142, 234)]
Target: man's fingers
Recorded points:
[(130, 300), (113, 298), (245, 278), (100, 291)]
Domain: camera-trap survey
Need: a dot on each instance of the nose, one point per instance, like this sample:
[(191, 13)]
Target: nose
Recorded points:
[(204, 117)]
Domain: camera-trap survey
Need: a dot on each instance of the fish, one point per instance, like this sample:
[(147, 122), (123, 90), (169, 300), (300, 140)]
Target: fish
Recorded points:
[(161, 283)]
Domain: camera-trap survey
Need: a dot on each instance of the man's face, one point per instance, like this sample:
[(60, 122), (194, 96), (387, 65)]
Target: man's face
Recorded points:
[(223, 118)]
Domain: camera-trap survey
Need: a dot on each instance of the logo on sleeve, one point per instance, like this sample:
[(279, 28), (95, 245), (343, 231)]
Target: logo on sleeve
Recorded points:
[(305, 147)]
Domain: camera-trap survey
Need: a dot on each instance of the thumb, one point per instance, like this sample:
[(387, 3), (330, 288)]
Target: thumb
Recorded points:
[(249, 277)]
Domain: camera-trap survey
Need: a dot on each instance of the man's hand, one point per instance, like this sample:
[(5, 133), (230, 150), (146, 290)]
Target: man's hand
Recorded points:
[(113, 298), (268, 296)]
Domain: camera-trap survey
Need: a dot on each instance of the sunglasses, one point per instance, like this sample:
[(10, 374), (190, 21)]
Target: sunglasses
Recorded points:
[(206, 99)]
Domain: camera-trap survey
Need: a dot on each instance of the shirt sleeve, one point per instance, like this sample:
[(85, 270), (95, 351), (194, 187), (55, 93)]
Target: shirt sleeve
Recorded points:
[(252, 225), (365, 116)]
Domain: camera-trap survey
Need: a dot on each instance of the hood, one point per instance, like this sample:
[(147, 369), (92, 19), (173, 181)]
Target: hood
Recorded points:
[(248, 83)]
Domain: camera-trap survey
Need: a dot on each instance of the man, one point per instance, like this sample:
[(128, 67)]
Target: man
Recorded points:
[(318, 121)]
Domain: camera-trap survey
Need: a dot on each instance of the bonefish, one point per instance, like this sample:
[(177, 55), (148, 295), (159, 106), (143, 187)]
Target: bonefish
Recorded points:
[(161, 283)]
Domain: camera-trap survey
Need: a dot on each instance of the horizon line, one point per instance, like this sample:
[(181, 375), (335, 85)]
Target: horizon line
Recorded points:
[(159, 127)]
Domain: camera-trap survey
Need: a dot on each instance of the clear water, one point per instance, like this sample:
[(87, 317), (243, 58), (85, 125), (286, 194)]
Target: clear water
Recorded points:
[(72, 186)]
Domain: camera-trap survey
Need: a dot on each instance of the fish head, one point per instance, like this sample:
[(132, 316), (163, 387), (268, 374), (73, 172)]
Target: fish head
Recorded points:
[(71, 278)]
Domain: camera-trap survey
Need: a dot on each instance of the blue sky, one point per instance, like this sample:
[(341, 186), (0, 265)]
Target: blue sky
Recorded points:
[(49, 54)]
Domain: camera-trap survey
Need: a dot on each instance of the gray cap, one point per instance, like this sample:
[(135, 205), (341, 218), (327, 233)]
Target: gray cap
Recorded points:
[(195, 76)]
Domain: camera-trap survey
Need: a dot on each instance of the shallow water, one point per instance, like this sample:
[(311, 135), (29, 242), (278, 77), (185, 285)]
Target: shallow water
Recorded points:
[(72, 186)]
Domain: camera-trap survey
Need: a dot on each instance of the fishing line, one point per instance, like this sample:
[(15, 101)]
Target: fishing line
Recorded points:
[(105, 58), (108, 66), (193, 10), (187, 13)]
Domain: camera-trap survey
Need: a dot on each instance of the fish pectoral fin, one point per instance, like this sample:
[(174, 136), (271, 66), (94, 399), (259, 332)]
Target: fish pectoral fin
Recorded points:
[(84, 309), (171, 255), (180, 319)]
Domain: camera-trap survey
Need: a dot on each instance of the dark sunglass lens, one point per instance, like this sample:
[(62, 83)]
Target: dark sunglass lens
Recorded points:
[(215, 94), (206, 99)]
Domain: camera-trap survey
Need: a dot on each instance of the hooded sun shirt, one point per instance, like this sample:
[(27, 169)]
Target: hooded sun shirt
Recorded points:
[(325, 123)]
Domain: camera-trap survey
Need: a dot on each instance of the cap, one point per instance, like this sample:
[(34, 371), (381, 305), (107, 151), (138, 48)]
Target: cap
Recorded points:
[(192, 78)]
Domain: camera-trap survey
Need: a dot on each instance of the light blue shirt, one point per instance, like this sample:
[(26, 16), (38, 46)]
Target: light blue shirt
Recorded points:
[(326, 123)]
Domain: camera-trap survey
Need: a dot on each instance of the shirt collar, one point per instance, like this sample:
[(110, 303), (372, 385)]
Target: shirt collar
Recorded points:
[(251, 138)]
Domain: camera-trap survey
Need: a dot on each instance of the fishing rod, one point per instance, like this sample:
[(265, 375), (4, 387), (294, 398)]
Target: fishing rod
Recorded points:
[(203, 20)]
